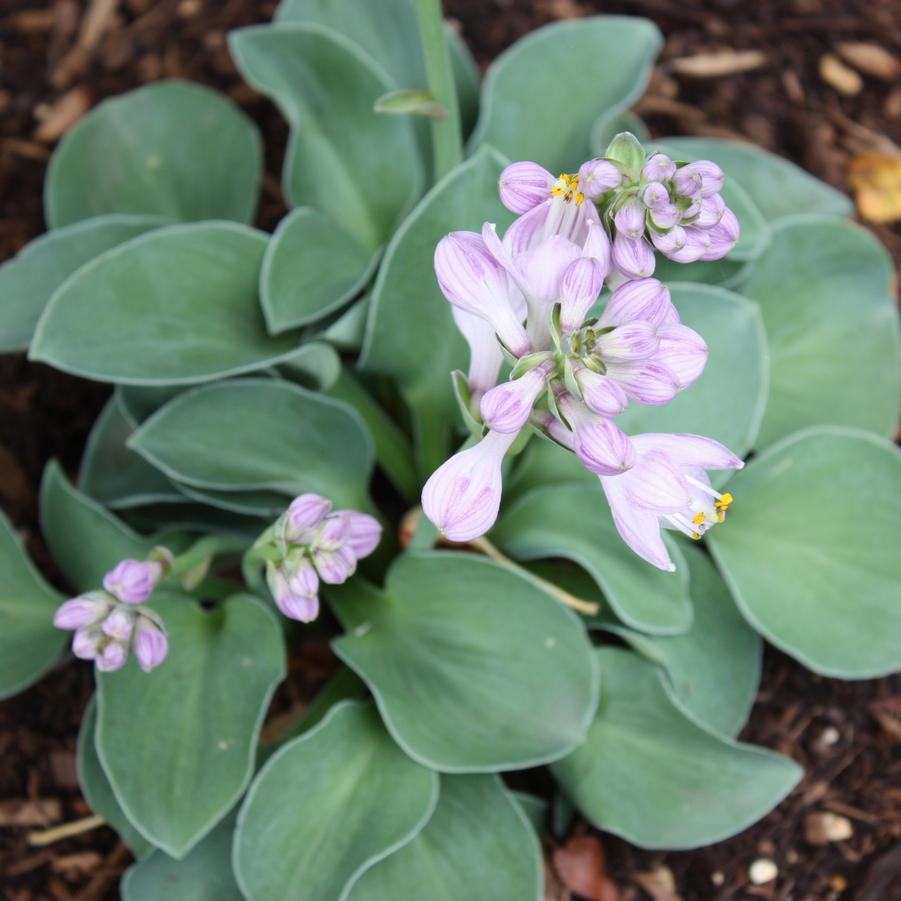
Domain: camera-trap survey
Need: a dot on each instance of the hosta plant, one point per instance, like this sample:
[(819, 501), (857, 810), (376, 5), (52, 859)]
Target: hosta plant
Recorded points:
[(545, 425)]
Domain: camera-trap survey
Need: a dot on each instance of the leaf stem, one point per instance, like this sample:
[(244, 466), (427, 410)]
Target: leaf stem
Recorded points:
[(447, 142), (66, 830)]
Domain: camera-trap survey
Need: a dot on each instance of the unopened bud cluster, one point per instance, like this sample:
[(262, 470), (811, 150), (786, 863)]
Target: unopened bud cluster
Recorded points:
[(113, 623), (530, 297), (310, 543)]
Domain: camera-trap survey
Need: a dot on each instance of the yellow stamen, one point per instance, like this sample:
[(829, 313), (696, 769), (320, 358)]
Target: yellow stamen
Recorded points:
[(698, 518), (724, 501), (580, 199), (720, 516), (695, 535)]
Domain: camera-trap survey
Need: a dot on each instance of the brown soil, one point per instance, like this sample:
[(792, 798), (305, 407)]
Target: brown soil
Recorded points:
[(845, 734)]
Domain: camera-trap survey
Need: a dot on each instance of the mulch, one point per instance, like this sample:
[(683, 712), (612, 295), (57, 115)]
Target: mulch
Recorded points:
[(62, 57)]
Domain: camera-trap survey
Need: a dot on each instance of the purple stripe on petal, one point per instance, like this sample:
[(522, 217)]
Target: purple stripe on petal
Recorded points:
[(524, 185)]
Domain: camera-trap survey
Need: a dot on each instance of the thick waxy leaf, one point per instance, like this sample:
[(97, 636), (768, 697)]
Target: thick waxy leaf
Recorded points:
[(327, 806), (172, 149), (204, 874), (175, 306), (85, 539), (810, 553), (28, 280), (727, 401), (178, 744), (115, 475), (727, 273), (652, 775), (478, 844), (29, 643), (411, 333), (541, 97), (825, 288), (388, 33), (714, 667), (251, 434), (312, 266), (344, 159), (474, 668), (778, 188), (96, 788), (573, 520), (265, 504)]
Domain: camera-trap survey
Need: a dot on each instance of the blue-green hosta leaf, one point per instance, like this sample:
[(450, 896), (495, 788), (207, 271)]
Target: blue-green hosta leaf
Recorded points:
[(327, 806), (86, 540), (477, 844), (29, 643), (175, 306), (541, 97), (728, 401), (611, 123), (411, 333), (178, 744), (573, 520), (361, 168), (172, 149), (253, 434), (810, 552), (826, 292), (96, 788), (649, 773), (28, 280), (312, 267), (264, 504), (474, 668), (388, 33), (714, 667), (115, 475), (203, 874), (777, 187)]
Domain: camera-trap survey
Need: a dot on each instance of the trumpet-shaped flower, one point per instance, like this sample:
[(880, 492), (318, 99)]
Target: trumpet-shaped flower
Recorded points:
[(668, 487), (462, 497)]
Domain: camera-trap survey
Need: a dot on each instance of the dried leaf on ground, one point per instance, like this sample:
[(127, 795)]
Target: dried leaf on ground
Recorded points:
[(820, 828), (876, 180), (871, 59), (839, 76), (580, 863), (719, 63), (659, 883)]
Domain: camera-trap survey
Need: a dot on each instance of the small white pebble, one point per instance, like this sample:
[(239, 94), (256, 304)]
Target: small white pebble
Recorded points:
[(717, 878), (830, 736), (762, 871)]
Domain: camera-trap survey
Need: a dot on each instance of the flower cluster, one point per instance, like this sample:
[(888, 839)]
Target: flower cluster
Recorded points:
[(112, 623), (529, 298), (309, 543)]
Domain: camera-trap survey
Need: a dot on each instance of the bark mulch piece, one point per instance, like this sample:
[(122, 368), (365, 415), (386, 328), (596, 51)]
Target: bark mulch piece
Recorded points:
[(63, 56)]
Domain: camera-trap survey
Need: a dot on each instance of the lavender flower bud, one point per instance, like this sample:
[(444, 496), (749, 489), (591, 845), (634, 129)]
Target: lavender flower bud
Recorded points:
[(597, 176), (655, 196), (601, 394), (119, 624), (336, 566), (697, 242), (463, 495), (305, 512), (712, 209), (506, 407), (644, 298), (332, 533), (132, 581), (647, 382), (85, 610), (151, 645), (86, 642), (111, 657), (602, 447), (629, 219), (683, 352), (581, 285), (636, 340), (633, 256), (524, 185), (722, 237), (671, 242), (666, 216), (659, 167), (295, 589), (364, 532)]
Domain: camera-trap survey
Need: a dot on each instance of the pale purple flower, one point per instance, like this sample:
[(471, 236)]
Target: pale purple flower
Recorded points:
[(150, 644), (332, 533), (634, 257), (295, 588), (304, 514), (683, 351), (472, 279), (635, 340), (524, 185), (85, 610), (645, 298), (668, 488), (601, 394), (334, 566), (646, 381), (485, 353), (462, 497), (598, 176), (579, 289), (723, 236), (658, 168), (119, 624), (132, 581), (364, 532), (86, 641), (629, 218), (111, 656), (506, 407), (601, 446)]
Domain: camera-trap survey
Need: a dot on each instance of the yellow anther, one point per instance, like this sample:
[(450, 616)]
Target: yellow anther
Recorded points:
[(720, 516), (580, 198), (698, 518), (724, 501), (695, 535)]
